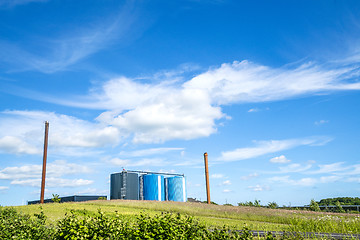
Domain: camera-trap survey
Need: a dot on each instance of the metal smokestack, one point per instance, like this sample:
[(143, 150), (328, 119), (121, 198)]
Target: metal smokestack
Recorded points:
[(44, 162), (207, 177)]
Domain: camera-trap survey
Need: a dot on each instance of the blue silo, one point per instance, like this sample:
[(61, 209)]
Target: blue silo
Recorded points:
[(176, 189), (154, 187)]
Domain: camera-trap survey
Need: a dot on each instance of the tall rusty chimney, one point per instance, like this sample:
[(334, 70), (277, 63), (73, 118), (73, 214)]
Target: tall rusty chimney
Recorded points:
[(207, 177), (44, 162)]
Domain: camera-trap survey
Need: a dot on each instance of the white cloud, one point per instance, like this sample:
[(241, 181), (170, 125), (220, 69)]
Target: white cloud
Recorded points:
[(14, 3), (259, 188), (250, 176), (137, 163), (3, 188), (271, 146), (119, 162), (216, 176), (53, 170), (167, 171), (353, 179), (14, 145), (53, 182), (171, 116), (150, 151), (64, 132), (226, 191), (226, 182), (253, 110), (295, 167), (158, 112), (331, 168), (330, 179), (280, 159), (249, 82), (69, 47), (321, 122), (300, 182)]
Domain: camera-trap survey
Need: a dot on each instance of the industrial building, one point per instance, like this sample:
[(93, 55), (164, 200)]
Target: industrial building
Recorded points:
[(140, 185), (74, 198)]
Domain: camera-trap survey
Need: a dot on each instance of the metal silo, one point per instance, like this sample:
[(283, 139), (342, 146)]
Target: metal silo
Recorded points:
[(176, 189), (154, 187), (124, 185)]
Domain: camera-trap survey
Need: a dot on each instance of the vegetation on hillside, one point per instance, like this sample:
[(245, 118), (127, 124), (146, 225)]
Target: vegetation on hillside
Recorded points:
[(341, 200), (14, 225), (209, 215)]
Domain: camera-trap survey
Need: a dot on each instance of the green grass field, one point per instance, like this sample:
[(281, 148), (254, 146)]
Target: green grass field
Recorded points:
[(256, 218)]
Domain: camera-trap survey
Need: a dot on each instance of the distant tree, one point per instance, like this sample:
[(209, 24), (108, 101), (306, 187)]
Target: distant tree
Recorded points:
[(314, 206), (342, 200), (272, 205), (338, 207), (227, 204), (56, 198), (257, 203), (102, 198)]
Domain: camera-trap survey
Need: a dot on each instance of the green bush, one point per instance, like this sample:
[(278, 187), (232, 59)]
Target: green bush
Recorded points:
[(314, 206), (162, 226), (56, 198), (256, 203), (20, 226), (272, 205), (100, 226)]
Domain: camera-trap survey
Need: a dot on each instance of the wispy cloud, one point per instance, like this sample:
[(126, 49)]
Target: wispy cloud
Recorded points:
[(280, 159), (146, 162), (226, 183), (154, 112), (15, 145), (30, 175), (150, 151), (253, 110), (53, 182), (250, 176), (3, 188), (226, 191), (217, 176), (271, 146), (295, 167), (54, 169), (289, 181), (259, 188), (243, 82), (331, 168), (14, 3), (68, 49), (65, 132), (321, 122)]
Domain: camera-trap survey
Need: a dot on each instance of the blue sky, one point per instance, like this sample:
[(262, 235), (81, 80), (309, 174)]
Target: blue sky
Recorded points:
[(269, 89)]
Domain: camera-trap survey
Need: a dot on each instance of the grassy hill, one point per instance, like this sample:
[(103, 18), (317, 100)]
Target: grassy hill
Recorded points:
[(255, 218)]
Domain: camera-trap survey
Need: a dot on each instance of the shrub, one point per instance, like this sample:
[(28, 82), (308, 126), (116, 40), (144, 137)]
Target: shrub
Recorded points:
[(338, 207), (20, 226), (314, 206), (272, 205), (56, 198), (256, 203)]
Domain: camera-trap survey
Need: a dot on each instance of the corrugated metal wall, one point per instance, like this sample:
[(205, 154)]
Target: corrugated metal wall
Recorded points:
[(176, 189), (131, 185), (154, 187)]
